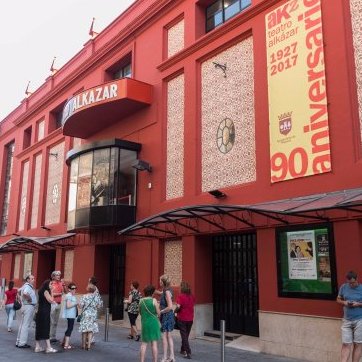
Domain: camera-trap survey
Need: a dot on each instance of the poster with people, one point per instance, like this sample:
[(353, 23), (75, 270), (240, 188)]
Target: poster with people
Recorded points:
[(301, 260), (306, 262)]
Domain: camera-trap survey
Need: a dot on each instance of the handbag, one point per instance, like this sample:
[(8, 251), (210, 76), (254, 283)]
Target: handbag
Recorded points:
[(17, 304), (176, 325)]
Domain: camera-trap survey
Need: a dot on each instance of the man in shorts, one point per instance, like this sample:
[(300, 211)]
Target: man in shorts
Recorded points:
[(350, 296)]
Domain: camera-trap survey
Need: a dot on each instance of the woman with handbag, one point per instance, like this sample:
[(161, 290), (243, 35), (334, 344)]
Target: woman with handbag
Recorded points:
[(132, 309), (9, 299), (150, 313), (89, 304), (70, 310), (185, 315)]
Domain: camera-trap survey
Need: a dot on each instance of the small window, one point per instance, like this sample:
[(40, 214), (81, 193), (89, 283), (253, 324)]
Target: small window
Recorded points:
[(123, 72), (27, 138), (55, 119), (222, 10), (121, 69)]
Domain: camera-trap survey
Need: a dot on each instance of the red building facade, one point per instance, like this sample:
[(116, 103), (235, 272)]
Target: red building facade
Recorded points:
[(218, 142)]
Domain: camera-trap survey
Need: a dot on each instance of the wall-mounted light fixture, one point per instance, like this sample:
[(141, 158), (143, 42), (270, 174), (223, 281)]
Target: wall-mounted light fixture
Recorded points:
[(45, 228), (54, 155), (142, 166), (217, 194), (223, 67)]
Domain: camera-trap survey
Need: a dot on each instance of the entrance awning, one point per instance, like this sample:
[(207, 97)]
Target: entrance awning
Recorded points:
[(32, 243), (200, 219)]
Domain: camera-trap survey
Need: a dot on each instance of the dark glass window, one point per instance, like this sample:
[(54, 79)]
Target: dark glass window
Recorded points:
[(123, 72), (9, 149), (222, 10), (55, 118), (101, 177), (27, 138)]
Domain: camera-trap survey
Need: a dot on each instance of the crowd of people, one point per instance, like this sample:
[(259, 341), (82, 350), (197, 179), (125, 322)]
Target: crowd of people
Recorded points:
[(44, 307), (160, 314)]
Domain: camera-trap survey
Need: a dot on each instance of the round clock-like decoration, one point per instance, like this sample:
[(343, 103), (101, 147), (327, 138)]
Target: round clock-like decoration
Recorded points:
[(225, 135)]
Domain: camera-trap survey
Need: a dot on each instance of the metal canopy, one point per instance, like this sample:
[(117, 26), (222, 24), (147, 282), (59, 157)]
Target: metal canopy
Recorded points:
[(199, 219), (32, 243)]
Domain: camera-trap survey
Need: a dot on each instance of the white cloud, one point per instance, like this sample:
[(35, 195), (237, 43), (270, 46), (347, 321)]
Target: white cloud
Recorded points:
[(34, 31)]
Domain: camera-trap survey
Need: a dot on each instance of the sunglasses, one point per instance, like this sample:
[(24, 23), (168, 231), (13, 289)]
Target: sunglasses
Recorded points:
[(73, 288)]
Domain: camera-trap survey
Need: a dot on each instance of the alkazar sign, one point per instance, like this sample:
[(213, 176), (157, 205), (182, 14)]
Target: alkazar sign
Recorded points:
[(298, 114), (90, 97)]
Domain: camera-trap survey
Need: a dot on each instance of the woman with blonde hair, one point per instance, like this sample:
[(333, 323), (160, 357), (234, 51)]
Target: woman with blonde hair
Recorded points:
[(167, 318)]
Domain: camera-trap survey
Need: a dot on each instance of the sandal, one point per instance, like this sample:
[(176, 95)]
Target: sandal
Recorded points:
[(67, 347), (130, 336), (50, 350), (39, 349)]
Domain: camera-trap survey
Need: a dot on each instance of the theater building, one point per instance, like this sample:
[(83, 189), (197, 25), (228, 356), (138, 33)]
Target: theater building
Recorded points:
[(216, 141)]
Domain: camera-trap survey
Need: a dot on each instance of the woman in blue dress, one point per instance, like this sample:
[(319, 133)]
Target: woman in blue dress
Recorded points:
[(167, 318)]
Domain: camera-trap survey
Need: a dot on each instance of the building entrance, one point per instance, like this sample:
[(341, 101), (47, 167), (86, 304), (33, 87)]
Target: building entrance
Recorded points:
[(117, 277), (235, 283)]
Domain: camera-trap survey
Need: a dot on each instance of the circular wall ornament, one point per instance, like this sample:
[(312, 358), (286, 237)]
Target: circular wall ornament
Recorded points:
[(225, 135)]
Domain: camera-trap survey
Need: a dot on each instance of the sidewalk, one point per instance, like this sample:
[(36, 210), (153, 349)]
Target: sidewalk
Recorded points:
[(118, 347)]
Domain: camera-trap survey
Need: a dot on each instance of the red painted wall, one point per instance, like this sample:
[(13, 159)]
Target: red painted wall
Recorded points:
[(148, 127)]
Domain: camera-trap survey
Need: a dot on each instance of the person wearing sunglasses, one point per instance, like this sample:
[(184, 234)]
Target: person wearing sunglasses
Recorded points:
[(70, 311)]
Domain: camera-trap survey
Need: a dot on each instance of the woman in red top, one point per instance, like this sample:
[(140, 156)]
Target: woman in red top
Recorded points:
[(185, 315), (9, 299)]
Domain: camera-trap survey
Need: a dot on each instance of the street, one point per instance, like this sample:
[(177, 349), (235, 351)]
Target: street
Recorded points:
[(118, 347)]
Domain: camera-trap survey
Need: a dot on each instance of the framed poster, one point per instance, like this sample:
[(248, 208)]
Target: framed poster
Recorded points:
[(306, 262)]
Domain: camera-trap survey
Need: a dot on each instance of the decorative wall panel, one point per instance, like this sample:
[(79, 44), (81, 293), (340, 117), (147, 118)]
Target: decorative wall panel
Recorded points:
[(175, 37), (9, 150), (28, 264), (41, 130), (173, 261), (36, 192), (17, 259), (175, 138), (55, 181), (356, 13), (227, 118), (24, 196), (68, 265)]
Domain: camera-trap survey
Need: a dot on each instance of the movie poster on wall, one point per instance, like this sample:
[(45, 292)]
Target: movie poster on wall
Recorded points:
[(298, 115), (301, 260)]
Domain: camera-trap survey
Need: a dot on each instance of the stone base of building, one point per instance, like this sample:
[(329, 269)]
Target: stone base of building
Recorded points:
[(310, 338)]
